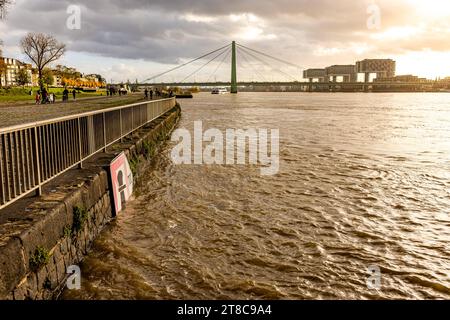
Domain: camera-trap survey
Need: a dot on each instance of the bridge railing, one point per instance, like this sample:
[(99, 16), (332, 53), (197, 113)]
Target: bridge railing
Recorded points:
[(32, 154)]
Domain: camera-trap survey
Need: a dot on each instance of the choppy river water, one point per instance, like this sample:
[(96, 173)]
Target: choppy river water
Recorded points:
[(364, 180)]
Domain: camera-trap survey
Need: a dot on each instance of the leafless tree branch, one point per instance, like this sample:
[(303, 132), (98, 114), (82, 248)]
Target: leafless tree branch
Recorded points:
[(3, 6), (42, 50)]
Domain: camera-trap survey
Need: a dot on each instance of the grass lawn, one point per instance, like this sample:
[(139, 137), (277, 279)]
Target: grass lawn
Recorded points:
[(23, 94)]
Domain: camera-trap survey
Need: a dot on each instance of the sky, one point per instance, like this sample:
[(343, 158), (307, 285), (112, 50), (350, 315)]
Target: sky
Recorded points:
[(136, 39)]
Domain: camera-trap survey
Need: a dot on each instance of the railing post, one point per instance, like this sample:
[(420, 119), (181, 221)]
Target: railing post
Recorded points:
[(121, 125), (104, 132), (38, 162), (80, 149)]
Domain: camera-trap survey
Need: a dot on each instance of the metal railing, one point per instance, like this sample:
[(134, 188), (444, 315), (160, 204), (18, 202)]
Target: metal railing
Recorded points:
[(32, 154)]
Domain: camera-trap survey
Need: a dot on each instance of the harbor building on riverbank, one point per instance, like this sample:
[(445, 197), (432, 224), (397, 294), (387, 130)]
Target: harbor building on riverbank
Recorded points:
[(341, 73), (335, 73), (363, 71), (315, 75), (384, 68), (403, 78)]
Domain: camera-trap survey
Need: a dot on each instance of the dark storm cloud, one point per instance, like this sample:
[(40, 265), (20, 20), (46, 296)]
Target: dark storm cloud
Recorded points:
[(158, 30)]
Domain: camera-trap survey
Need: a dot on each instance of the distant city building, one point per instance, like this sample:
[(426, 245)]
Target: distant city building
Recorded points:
[(93, 77), (315, 75), (370, 68), (384, 68), (35, 78), (345, 72), (9, 76), (404, 78), (62, 75)]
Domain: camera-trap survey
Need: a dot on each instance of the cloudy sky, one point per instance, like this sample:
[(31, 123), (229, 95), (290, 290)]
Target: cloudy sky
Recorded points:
[(135, 39)]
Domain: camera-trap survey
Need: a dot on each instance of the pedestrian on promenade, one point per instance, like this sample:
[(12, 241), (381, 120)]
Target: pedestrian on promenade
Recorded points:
[(65, 95), (74, 94), (44, 96), (38, 98), (151, 94), (146, 94)]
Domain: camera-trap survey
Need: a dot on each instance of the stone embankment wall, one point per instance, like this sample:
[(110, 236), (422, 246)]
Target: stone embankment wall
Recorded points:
[(67, 219)]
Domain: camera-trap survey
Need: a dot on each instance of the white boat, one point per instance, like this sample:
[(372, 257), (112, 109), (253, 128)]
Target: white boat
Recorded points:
[(219, 91)]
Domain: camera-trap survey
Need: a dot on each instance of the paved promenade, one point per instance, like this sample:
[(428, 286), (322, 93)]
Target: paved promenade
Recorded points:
[(20, 113)]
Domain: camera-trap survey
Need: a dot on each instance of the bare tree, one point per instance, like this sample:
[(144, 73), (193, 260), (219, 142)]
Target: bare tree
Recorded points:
[(3, 4), (42, 49)]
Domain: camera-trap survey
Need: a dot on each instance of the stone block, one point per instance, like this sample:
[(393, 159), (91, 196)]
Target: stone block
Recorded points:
[(52, 275), (71, 201), (32, 285), (42, 275), (20, 293), (46, 232), (12, 266)]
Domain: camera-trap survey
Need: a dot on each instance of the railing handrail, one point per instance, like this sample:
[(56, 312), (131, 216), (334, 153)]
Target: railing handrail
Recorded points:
[(29, 125), (34, 153)]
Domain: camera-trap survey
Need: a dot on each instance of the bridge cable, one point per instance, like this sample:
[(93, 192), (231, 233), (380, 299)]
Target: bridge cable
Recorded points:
[(219, 65), (185, 64), (255, 70), (190, 75), (269, 56), (269, 65)]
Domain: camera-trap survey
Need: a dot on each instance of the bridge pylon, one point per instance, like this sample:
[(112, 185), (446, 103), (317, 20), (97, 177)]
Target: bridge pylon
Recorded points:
[(234, 88)]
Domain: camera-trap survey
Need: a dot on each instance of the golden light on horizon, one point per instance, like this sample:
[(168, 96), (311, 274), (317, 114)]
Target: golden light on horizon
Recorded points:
[(427, 64), (431, 8), (420, 38)]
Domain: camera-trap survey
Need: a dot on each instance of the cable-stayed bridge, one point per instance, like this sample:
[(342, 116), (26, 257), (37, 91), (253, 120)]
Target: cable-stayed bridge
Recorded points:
[(218, 58), (263, 66)]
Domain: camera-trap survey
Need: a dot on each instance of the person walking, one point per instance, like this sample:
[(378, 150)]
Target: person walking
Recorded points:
[(44, 96), (65, 95), (38, 98), (146, 94), (74, 94)]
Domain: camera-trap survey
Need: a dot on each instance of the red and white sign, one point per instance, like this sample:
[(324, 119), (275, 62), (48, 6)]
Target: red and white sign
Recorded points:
[(122, 181)]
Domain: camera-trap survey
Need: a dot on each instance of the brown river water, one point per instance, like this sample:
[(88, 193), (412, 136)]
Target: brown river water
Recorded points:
[(364, 180)]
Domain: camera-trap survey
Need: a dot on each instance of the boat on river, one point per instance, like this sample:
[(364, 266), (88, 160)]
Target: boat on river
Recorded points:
[(219, 91)]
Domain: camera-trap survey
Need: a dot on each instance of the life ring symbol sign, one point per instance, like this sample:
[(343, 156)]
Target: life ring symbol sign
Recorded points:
[(122, 181)]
